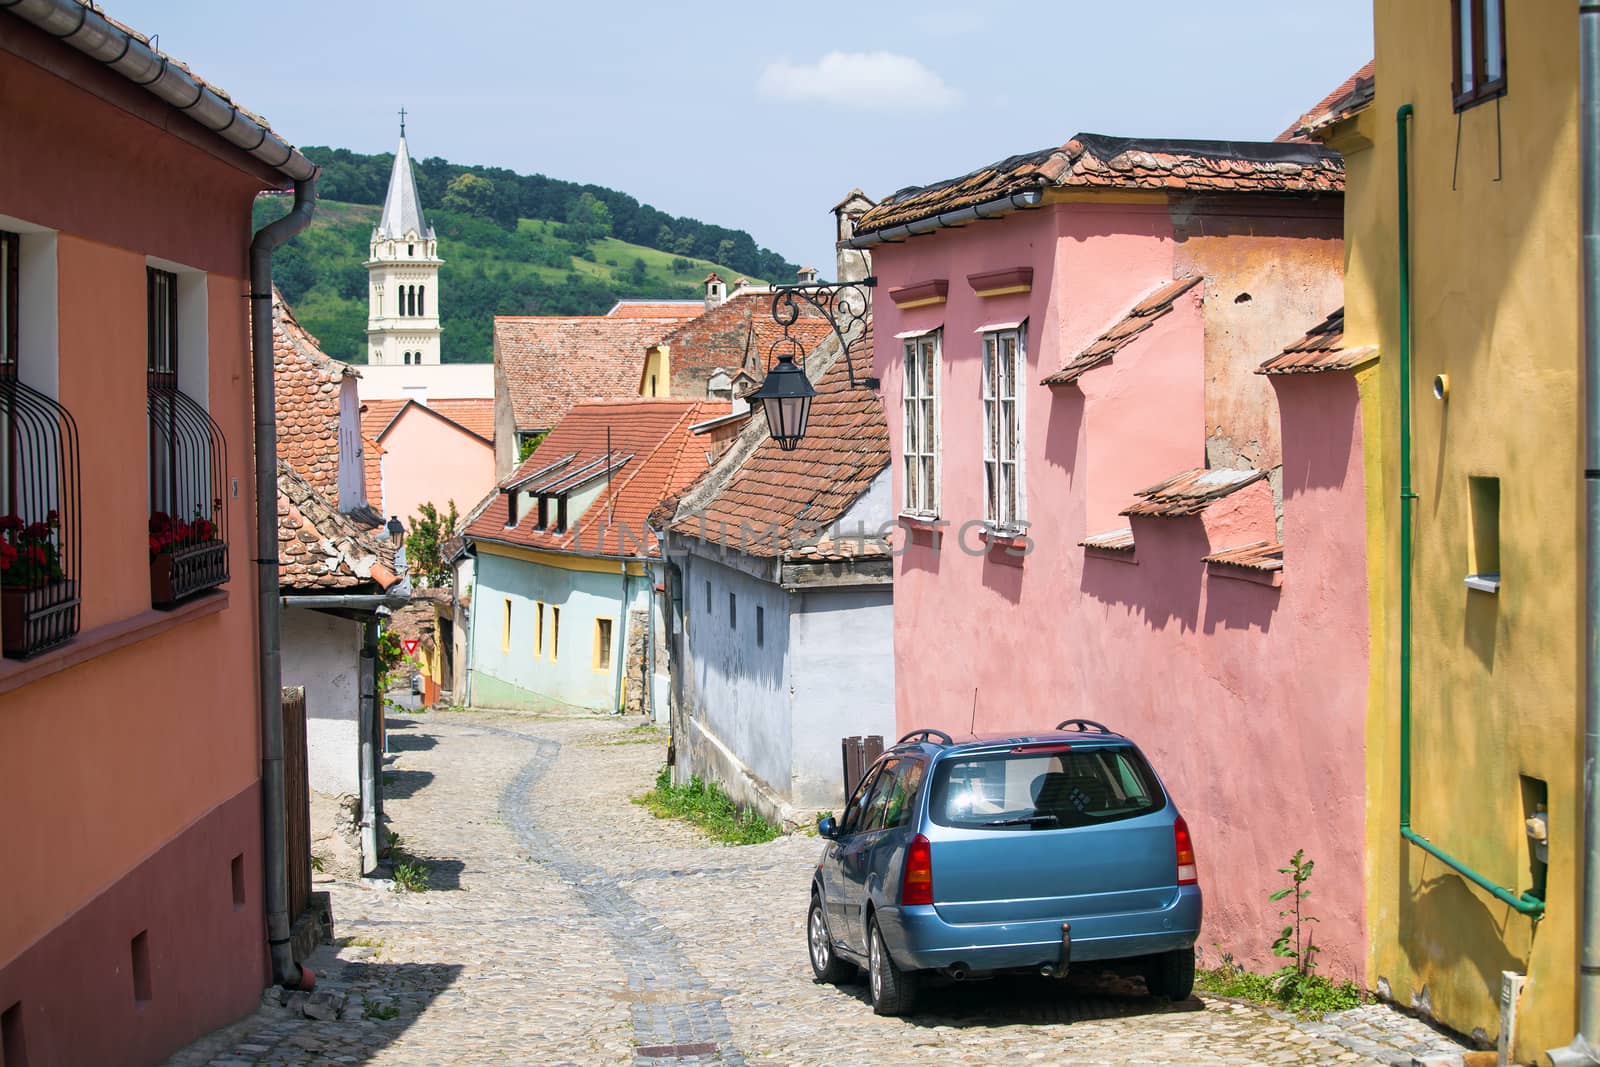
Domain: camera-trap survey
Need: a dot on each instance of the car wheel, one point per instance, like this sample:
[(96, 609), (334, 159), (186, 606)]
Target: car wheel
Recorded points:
[(824, 964), (893, 991), (1170, 975)]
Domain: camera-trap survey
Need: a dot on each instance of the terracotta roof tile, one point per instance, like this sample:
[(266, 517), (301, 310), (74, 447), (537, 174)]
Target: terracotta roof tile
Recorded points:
[(320, 549), (1256, 556), (657, 309), (1111, 541), (1191, 492), (307, 390), (781, 502), (1096, 161), (376, 415), (662, 458), (1138, 319), (475, 415), (1320, 350), (548, 364), (740, 334), (1353, 94)]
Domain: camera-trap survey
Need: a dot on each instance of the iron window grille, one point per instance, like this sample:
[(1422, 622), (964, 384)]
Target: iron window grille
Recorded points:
[(188, 467), (40, 542), (1478, 35)]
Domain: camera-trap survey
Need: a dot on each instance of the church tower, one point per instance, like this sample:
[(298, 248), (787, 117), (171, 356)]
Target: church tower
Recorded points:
[(403, 269)]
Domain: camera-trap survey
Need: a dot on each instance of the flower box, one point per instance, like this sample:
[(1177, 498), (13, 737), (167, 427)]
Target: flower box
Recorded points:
[(180, 573), (37, 617)]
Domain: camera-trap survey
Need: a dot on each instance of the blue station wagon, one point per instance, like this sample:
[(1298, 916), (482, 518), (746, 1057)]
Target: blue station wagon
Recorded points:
[(1037, 853)]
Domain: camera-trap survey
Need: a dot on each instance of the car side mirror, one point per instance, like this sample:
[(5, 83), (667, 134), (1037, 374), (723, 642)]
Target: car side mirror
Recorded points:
[(827, 827)]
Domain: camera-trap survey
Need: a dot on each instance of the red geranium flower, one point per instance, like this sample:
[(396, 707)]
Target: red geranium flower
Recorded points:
[(10, 523)]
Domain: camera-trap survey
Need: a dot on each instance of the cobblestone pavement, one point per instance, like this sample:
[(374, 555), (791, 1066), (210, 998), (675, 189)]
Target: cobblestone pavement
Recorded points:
[(564, 925)]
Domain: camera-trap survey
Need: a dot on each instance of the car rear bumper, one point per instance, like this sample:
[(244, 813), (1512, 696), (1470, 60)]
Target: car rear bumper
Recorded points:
[(919, 939)]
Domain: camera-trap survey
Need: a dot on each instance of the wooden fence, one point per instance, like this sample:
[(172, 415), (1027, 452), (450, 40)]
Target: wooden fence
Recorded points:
[(296, 801)]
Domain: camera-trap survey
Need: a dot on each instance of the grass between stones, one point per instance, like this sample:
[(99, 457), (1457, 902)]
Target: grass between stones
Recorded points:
[(705, 805), (1309, 995)]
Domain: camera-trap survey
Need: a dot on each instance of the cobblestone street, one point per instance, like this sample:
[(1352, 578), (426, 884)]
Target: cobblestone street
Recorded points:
[(565, 925)]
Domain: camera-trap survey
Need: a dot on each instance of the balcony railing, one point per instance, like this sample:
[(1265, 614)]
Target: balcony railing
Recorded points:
[(40, 543), (188, 499)]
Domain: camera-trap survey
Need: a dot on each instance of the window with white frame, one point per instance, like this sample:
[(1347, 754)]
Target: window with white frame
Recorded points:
[(921, 417), (1004, 364)]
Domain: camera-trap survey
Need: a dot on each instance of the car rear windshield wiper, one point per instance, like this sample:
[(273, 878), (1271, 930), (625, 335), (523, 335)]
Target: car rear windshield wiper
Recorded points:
[(1026, 820)]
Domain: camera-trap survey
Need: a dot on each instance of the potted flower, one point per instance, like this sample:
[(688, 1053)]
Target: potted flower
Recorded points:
[(30, 561), (185, 556)]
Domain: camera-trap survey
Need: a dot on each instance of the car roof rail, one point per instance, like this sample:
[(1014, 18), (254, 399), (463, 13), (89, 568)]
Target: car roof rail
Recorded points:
[(927, 735), (1083, 726)]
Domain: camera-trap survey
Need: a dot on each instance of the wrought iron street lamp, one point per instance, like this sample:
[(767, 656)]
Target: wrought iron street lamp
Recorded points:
[(785, 396)]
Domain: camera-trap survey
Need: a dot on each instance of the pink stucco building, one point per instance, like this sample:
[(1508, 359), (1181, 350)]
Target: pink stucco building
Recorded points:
[(1113, 511)]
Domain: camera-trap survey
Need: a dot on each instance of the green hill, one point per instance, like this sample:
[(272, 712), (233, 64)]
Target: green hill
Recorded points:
[(537, 268)]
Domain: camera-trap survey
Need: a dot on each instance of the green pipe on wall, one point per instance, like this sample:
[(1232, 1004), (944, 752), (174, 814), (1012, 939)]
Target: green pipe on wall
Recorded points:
[(1526, 903)]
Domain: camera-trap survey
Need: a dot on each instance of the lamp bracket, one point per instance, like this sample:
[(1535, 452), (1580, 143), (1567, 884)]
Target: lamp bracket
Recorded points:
[(846, 306)]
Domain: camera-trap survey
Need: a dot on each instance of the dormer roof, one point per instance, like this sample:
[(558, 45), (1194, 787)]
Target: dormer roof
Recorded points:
[(402, 209)]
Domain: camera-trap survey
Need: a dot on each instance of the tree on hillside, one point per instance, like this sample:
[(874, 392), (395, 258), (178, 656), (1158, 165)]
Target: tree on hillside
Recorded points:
[(470, 195), (588, 220)]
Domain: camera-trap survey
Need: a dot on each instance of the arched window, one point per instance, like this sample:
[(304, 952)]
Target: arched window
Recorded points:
[(408, 359), (400, 301), (411, 250), (422, 299), (411, 300)]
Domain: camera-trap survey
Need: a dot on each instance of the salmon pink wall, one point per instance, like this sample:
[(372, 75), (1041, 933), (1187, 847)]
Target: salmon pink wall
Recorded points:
[(1249, 698), (427, 460), (144, 758)]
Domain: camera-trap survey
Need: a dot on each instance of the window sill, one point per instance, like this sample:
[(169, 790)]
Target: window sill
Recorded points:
[(995, 534), (90, 644), (1484, 583), (919, 521)]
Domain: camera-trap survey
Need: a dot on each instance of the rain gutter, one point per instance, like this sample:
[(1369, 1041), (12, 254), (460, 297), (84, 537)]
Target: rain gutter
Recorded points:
[(989, 209), (1585, 1047), (85, 29), (1526, 903)]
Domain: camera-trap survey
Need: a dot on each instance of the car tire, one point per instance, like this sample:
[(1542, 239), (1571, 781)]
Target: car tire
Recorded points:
[(893, 991), (1170, 975), (827, 966)]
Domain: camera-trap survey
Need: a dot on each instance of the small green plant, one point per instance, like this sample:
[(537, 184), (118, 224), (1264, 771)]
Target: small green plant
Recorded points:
[(316, 863), (1296, 942), (705, 805), (411, 875), (382, 1012)]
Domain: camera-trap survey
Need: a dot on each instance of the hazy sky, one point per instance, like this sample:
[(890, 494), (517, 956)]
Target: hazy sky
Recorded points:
[(756, 115)]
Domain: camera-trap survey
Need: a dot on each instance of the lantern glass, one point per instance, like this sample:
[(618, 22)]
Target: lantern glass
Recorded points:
[(786, 401)]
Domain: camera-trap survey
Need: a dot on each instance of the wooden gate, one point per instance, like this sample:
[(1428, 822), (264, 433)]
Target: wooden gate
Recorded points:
[(296, 801)]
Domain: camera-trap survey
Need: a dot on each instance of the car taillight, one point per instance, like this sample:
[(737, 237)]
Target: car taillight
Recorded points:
[(1187, 873), (916, 885)]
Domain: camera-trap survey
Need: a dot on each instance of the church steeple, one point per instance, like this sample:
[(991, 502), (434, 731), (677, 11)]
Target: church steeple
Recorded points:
[(403, 266)]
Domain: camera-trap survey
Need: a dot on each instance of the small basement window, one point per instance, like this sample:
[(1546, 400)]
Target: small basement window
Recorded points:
[(602, 644), (555, 632), (1483, 545), (733, 611)]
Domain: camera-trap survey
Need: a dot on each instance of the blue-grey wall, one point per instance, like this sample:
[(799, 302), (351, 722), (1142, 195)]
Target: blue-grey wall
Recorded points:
[(515, 677)]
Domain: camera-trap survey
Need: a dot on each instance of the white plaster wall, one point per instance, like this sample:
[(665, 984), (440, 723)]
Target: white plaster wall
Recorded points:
[(352, 476), (842, 667), (737, 688), (323, 653)]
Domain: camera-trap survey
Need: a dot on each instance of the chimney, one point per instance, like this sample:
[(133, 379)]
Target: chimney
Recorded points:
[(807, 275), (854, 263), (715, 292)]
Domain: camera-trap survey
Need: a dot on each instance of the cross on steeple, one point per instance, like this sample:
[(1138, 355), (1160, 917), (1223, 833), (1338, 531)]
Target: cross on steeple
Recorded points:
[(402, 122)]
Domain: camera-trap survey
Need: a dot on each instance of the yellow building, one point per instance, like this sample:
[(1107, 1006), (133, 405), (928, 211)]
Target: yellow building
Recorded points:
[(1494, 390)]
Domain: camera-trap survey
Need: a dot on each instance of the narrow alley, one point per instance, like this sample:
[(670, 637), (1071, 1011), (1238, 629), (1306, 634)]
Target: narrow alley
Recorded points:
[(565, 925)]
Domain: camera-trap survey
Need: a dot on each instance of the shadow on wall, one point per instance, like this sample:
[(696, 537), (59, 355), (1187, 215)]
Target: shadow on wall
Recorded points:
[(1318, 413), (922, 553), (1165, 585), (1239, 604), (1445, 924)]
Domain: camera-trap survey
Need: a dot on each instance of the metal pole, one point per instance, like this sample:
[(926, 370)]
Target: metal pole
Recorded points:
[(1589, 149), (367, 729)]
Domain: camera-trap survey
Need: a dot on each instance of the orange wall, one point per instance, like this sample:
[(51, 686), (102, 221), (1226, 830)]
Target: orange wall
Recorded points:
[(104, 763)]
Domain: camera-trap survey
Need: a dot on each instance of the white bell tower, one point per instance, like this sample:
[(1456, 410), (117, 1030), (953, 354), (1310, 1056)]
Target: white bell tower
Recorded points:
[(403, 269)]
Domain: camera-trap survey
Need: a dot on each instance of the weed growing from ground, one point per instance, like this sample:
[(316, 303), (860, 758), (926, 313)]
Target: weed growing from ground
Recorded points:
[(705, 805)]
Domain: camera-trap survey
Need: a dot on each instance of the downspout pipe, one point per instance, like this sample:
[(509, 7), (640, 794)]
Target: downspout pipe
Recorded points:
[(1585, 1047), (1525, 903), (285, 971)]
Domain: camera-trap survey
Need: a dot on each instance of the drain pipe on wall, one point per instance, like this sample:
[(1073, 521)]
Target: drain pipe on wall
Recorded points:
[(1585, 1048), (285, 971), (1525, 903)]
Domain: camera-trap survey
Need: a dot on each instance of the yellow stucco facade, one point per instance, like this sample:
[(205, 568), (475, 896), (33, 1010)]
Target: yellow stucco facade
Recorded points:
[(1496, 679)]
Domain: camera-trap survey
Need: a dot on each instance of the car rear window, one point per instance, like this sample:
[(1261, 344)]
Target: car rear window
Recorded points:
[(1043, 788)]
